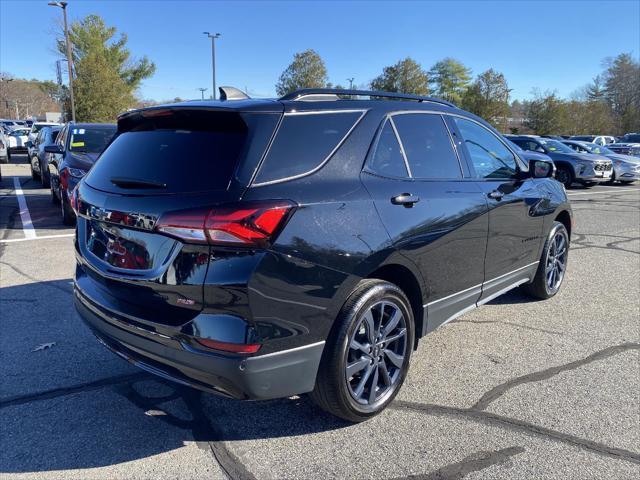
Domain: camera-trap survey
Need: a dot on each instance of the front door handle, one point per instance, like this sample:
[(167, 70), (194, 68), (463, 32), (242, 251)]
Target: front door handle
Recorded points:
[(405, 199), (496, 195)]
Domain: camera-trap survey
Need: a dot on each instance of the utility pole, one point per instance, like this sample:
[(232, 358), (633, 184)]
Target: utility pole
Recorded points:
[(213, 58), (202, 90), (350, 80), (63, 6)]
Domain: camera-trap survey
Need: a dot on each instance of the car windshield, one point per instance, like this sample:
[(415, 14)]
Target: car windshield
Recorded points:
[(90, 139), (556, 146), (20, 132), (597, 149)]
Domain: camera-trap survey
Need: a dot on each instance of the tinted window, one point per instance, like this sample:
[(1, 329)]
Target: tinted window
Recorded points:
[(427, 145), (200, 156), (387, 159), (490, 157), (90, 139), (303, 143)]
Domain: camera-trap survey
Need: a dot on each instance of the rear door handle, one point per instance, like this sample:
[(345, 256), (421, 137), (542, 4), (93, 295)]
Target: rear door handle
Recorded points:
[(405, 199), (496, 195)]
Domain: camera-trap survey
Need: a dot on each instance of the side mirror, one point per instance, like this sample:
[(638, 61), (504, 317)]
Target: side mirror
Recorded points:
[(54, 149), (541, 169)]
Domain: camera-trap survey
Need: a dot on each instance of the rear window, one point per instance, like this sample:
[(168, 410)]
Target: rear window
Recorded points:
[(185, 150), (304, 142)]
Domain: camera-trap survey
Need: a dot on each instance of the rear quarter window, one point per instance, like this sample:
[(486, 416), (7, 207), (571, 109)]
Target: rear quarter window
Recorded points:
[(304, 142)]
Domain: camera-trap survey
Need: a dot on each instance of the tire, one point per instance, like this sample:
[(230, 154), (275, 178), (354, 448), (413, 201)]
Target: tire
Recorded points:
[(54, 198), (68, 217), (353, 397), (565, 176), (44, 176), (34, 174), (541, 286), (588, 184)]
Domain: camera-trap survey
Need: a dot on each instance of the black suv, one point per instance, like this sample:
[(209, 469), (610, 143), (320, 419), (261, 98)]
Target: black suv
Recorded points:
[(267, 248)]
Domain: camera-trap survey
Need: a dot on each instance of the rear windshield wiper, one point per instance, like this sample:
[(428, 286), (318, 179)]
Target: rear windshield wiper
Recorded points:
[(124, 182)]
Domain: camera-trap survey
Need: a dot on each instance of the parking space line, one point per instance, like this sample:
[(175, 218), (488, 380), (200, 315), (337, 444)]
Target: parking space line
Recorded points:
[(27, 225), (43, 237), (570, 194)]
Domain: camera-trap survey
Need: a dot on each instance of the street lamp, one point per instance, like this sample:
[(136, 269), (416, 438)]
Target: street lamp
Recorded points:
[(350, 80), (213, 58), (202, 90), (63, 6)]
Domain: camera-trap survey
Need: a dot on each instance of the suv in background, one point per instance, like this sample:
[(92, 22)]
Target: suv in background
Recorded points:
[(583, 168), (76, 149), (38, 158), (35, 128), (267, 248), (597, 139)]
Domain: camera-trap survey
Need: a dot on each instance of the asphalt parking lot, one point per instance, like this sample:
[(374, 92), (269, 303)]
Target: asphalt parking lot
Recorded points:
[(516, 389)]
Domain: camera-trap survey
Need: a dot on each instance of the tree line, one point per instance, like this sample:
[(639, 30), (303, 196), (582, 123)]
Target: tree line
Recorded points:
[(107, 77), (609, 104)]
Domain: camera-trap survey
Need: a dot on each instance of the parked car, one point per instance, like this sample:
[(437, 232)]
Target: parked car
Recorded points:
[(630, 138), (18, 140), (528, 155), (72, 155), (38, 158), (586, 169), (267, 248), (632, 149), (597, 139), (4, 148), (8, 125), (35, 128), (626, 169)]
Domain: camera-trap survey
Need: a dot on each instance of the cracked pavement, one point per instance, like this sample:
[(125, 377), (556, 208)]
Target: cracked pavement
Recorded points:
[(515, 389)]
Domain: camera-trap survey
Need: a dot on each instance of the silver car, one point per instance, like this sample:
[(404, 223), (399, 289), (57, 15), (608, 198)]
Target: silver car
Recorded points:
[(626, 168)]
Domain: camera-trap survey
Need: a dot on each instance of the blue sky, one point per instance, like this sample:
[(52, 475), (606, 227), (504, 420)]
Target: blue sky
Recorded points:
[(552, 45)]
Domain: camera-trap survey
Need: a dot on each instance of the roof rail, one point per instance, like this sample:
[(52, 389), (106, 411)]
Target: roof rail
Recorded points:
[(317, 92)]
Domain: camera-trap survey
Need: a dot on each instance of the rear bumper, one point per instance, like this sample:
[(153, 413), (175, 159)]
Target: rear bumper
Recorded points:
[(274, 375)]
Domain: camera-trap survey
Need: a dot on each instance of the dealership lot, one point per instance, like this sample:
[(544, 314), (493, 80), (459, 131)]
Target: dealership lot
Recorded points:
[(516, 389)]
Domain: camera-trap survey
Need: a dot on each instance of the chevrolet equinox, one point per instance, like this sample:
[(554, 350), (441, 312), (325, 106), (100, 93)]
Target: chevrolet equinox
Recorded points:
[(269, 248)]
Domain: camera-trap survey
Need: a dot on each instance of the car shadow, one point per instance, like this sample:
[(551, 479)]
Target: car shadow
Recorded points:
[(105, 417)]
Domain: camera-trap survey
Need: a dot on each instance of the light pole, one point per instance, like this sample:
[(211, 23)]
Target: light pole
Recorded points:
[(202, 90), (63, 6), (350, 80), (213, 58)]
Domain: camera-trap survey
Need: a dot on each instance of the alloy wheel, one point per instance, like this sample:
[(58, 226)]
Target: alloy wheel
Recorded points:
[(556, 261), (376, 353)]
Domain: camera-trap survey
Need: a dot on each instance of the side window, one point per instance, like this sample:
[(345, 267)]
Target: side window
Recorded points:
[(428, 147), (304, 142), (490, 157), (387, 159)]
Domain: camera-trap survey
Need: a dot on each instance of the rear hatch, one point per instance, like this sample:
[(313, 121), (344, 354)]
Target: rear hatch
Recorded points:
[(162, 160)]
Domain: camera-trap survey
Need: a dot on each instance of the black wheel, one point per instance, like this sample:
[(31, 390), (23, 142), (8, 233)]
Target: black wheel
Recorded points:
[(54, 198), (552, 266), (588, 184), (366, 358), (35, 175), (44, 175), (613, 177), (68, 217), (565, 176)]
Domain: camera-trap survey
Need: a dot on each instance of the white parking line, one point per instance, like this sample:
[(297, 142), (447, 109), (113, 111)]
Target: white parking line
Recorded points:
[(27, 226), (43, 237), (605, 191)]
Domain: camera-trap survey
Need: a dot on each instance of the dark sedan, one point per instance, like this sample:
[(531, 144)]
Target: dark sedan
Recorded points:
[(74, 153), (38, 158)]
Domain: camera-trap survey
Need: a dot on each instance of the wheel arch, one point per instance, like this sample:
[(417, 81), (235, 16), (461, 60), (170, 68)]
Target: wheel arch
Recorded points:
[(564, 217), (408, 282)]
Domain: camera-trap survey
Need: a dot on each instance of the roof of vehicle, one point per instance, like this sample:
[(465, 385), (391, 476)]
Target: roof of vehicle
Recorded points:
[(309, 99)]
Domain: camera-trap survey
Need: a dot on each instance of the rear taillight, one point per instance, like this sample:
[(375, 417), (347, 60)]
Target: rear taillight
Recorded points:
[(247, 224), (74, 200), (245, 348), (64, 178)]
